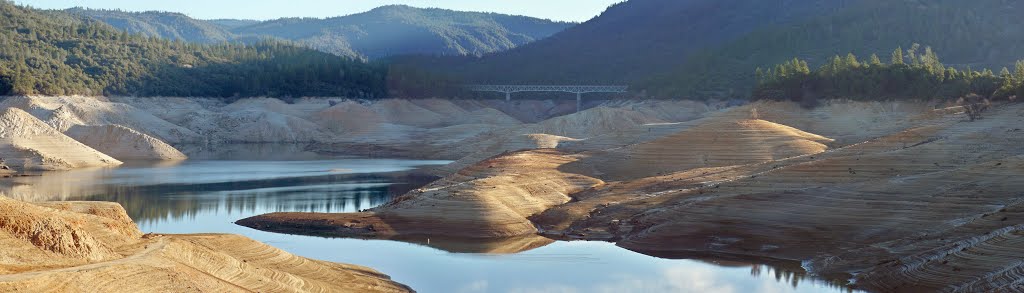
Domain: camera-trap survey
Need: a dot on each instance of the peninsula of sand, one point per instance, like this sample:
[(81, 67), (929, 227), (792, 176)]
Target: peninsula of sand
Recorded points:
[(893, 196)]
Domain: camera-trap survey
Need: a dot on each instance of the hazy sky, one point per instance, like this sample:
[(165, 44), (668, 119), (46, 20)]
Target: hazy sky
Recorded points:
[(570, 10)]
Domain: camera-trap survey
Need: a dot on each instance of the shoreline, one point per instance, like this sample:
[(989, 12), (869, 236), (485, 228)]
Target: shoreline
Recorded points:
[(86, 242), (806, 203)]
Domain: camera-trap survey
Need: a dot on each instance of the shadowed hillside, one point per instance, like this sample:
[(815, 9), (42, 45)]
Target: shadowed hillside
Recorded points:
[(703, 48)]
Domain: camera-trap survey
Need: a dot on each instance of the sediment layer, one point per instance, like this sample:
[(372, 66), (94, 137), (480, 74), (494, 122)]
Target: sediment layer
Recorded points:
[(26, 143)]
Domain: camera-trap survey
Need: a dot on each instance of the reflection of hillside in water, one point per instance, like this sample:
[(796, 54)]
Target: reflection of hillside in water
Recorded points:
[(795, 276), (784, 271), (321, 194), (171, 202)]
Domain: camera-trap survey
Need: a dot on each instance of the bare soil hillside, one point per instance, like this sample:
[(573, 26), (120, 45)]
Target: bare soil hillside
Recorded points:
[(95, 247), (124, 143), (490, 199), (26, 143), (907, 198)]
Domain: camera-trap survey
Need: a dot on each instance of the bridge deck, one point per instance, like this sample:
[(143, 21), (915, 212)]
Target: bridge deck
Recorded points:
[(579, 90), (576, 89)]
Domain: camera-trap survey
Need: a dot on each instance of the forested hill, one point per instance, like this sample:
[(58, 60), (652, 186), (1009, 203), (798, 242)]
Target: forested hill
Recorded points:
[(967, 34), (633, 39), (231, 24), (384, 31), (57, 53), (711, 48), (174, 26)]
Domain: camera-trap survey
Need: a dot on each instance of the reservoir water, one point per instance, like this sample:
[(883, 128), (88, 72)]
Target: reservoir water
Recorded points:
[(211, 191)]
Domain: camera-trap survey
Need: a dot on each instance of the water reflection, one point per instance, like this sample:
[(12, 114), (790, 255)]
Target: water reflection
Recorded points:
[(208, 196), (150, 205), (251, 152), (194, 192), (783, 271), (559, 267), (494, 246)]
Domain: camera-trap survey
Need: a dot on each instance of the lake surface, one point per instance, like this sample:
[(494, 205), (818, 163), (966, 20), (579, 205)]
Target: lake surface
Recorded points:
[(209, 193)]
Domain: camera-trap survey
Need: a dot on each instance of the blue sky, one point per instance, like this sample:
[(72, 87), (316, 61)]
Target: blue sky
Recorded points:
[(569, 10)]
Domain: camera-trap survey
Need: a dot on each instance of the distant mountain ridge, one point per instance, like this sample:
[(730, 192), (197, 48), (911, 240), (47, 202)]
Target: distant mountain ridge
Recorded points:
[(382, 32)]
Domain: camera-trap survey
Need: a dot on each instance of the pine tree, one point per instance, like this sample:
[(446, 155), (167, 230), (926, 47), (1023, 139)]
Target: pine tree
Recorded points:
[(930, 61), (1018, 75), (841, 77), (875, 61), (804, 68), (851, 61), (912, 54), (897, 56)]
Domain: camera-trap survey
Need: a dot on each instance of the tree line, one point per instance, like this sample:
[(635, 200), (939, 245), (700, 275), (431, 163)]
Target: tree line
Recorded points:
[(914, 73)]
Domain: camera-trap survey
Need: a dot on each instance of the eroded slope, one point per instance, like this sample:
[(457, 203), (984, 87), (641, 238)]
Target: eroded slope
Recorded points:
[(94, 247), (490, 199), (26, 143)]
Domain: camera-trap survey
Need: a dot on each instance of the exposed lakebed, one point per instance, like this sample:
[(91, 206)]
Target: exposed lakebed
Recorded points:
[(208, 193)]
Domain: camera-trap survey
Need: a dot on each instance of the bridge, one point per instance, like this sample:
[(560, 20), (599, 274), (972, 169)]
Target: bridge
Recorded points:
[(579, 90)]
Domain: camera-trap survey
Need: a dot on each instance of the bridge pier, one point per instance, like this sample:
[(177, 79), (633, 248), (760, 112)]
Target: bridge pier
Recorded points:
[(508, 97), (579, 102)]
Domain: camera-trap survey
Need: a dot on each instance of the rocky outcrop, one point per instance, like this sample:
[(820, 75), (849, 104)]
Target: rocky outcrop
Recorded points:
[(26, 143), (92, 247)]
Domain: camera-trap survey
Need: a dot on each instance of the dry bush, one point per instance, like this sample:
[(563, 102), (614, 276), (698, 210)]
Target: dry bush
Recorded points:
[(974, 105)]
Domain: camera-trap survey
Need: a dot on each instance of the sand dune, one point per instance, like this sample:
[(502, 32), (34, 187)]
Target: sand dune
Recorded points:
[(92, 247)]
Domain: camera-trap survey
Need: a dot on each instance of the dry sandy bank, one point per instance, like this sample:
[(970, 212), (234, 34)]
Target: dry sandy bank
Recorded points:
[(95, 247), (491, 199)]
